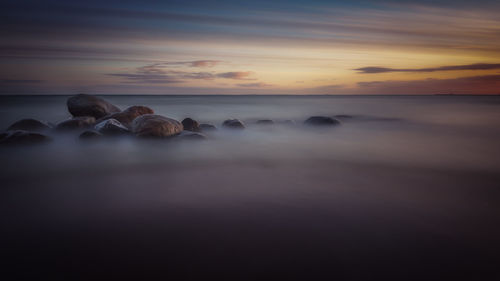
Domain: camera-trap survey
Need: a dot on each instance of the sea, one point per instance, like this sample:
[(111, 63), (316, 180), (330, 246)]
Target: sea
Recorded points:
[(405, 188)]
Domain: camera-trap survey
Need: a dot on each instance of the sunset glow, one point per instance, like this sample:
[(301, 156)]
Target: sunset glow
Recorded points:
[(283, 47)]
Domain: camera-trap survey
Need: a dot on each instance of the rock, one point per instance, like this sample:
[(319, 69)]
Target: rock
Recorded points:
[(111, 127), (233, 124), (321, 121), (76, 123), (87, 105), (188, 135), (22, 137), (191, 125), (207, 127), (343, 116), (90, 135), (265, 122), (289, 122), (155, 126), (128, 115), (32, 125)]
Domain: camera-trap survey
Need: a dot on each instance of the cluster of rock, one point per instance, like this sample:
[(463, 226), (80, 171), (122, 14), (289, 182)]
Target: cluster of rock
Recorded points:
[(95, 117), (26, 131)]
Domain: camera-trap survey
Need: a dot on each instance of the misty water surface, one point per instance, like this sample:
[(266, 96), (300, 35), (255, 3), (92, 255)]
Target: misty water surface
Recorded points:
[(406, 187)]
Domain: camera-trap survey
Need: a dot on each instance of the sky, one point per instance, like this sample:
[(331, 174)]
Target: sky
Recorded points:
[(250, 47)]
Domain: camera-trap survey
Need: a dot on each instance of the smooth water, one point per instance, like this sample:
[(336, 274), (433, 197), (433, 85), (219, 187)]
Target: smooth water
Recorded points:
[(406, 188)]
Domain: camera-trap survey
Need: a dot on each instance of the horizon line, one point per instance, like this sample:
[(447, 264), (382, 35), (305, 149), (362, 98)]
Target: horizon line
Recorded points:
[(242, 95)]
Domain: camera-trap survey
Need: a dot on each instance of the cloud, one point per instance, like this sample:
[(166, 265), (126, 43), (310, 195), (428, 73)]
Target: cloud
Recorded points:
[(197, 75), (146, 78), (446, 26), (472, 85), (254, 85), (163, 77), (157, 67), (477, 66), (196, 63), (204, 63), (20, 81), (238, 75), (166, 72), (486, 84)]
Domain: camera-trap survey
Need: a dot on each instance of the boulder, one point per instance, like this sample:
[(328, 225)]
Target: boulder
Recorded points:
[(207, 127), (321, 121), (128, 115), (87, 105), (191, 125), (22, 137), (155, 126), (90, 135), (32, 125), (188, 135), (233, 124), (111, 127), (265, 122), (76, 123)]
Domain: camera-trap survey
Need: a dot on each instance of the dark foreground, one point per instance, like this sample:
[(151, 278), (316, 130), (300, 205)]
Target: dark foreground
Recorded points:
[(424, 225)]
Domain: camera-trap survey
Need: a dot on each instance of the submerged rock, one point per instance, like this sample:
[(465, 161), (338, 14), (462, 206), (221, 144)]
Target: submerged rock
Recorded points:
[(189, 135), (29, 124), (128, 115), (111, 127), (155, 126), (366, 118), (207, 127), (265, 122), (90, 135), (76, 123), (22, 137), (289, 122), (321, 121), (233, 124), (87, 105), (343, 116), (191, 125)]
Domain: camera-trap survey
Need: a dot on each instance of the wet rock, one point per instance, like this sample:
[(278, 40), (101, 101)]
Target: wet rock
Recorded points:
[(32, 125), (207, 127), (128, 115), (76, 123), (87, 105), (233, 124), (22, 137), (90, 135), (321, 121), (111, 127), (155, 126), (265, 122), (189, 135), (191, 125)]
